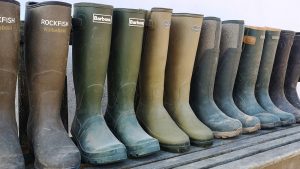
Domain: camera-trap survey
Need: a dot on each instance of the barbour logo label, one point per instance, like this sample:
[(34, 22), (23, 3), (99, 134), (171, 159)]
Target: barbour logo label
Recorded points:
[(275, 37), (9, 20), (196, 28), (250, 40), (136, 22), (100, 18), (167, 24)]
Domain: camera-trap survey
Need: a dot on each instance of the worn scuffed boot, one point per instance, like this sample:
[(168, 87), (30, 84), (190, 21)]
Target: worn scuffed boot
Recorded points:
[(244, 88), (179, 69), (91, 44), (123, 69), (230, 53), (293, 73), (151, 112), (278, 76), (11, 154), (264, 75), (47, 31), (205, 67)]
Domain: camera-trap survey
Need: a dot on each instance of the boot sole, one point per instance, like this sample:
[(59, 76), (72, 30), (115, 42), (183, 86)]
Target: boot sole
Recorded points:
[(288, 122), (270, 125), (176, 148), (38, 165), (143, 149), (227, 134), (201, 143), (251, 129)]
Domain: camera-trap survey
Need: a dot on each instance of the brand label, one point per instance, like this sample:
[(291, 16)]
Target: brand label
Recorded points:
[(196, 28), (9, 20), (167, 24), (55, 23), (100, 18), (137, 22), (250, 40), (275, 37)]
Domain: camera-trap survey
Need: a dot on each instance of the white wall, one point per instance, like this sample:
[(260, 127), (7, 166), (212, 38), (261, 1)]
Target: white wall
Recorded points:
[(280, 14)]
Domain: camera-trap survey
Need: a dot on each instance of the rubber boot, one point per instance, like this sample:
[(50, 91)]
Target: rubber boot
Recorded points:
[(123, 69), (179, 69), (293, 73), (92, 30), (244, 88), (151, 112), (264, 75), (229, 58), (278, 76), (11, 154), (205, 67), (47, 32)]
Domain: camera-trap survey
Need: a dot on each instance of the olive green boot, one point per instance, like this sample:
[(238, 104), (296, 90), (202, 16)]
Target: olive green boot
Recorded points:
[(91, 43), (264, 76), (150, 110), (203, 81), (179, 69), (230, 53), (244, 88), (11, 154), (123, 69)]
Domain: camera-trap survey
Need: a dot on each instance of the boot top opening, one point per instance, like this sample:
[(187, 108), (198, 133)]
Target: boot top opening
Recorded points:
[(241, 22), (188, 15), (88, 4), (130, 10), (212, 18), (158, 9), (39, 4), (11, 1)]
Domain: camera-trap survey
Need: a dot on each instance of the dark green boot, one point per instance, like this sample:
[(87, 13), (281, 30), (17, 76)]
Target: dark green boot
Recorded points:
[(230, 53), (47, 33), (123, 69), (179, 69), (243, 93), (293, 73), (91, 43), (278, 76), (151, 112), (201, 97), (11, 154), (264, 75)]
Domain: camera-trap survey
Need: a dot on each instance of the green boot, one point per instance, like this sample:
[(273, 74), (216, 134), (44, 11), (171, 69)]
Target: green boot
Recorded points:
[(179, 69), (123, 69), (243, 93), (150, 110), (203, 80), (91, 43), (264, 76), (230, 53), (11, 154)]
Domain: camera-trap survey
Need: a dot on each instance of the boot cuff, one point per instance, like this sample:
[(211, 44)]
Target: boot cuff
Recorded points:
[(11, 1), (241, 22), (188, 15), (212, 18), (38, 4), (256, 28), (86, 4), (157, 9), (130, 10), (287, 33)]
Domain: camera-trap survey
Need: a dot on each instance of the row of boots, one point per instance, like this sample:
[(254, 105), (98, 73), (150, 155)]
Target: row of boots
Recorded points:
[(173, 80)]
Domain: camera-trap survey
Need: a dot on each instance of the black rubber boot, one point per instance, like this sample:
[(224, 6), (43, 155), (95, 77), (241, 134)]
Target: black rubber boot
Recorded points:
[(264, 75), (276, 88), (293, 73), (201, 96), (11, 154), (243, 93), (47, 32)]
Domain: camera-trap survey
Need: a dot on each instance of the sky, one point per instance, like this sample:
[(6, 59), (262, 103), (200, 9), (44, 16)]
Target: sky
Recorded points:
[(271, 13)]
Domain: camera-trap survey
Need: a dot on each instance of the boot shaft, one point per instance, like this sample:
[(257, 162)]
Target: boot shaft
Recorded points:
[(154, 55), (281, 60), (91, 44), (125, 56), (184, 38)]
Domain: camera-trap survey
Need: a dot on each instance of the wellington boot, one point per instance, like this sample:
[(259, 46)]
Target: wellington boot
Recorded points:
[(11, 154), (230, 53), (47, 31), (293, 73), (278, 76), (92, 29), (203, 81), (179, 69), (264, 75), (123, 69), (150, 111), (244, 88)]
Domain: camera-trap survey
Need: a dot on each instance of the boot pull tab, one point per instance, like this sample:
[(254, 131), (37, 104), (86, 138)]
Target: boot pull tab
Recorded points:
[(76, 23)]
